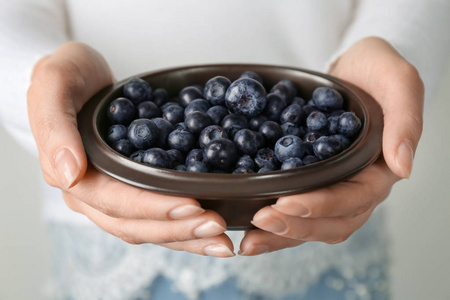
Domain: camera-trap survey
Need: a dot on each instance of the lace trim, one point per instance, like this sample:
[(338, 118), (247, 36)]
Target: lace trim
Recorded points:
[(90, 264)]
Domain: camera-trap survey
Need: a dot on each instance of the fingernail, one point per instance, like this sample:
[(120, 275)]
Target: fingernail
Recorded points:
[(269, 223), (209, 229), (218, 250), (404, 159), (255, 250), (185, 211), (66, 167), (292, 209)]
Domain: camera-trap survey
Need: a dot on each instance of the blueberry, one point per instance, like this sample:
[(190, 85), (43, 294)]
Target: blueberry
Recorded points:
[(311, 136), (195, 155), (197, 167), (221, 154), (289, 146), (121, 111), (245, 162), (173, 113), (316, 121), (176, 157), (215, 90), (255, 122), (167, 104), (143, 133), (309, 159), (160, 97), (181, 168), (189, 94), (293, 114), (148, 110), (217, 113), (116, 132), (246, 142), (327, 99), (326, 147), (349, 124), (232, 123), (210, 133), (242, 171), (197, 121), (299, 101), (137, 90), (180, 125), (182, 140), (336, 113), (196, 105), (286, 89), (252, 75), (124, 147), (308, 109), (138, 156), (290, 129), (271, 131), (291, 163), (246, 97), (165, 128), (157, 157), (345, 141), (308, 148), (260, 140), (332, 124), (265, 157), (266, 169), (274, 106)]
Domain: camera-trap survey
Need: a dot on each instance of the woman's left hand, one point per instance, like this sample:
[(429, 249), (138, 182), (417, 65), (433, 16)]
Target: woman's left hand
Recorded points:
[(334, 213)]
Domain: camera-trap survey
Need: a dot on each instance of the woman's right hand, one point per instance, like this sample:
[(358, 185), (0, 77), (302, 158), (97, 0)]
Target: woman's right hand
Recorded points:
[(60, 85)]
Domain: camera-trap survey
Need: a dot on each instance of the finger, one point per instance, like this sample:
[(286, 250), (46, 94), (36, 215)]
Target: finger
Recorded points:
[(139, 231), (328, 230), (217, 246), (403, 108), (345, 199), (120, 200), (257, 242), (376, 67), (60, 85)]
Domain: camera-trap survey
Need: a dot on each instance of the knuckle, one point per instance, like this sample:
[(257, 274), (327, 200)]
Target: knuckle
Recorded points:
[(305, 233), (124, 230), (322, 205)]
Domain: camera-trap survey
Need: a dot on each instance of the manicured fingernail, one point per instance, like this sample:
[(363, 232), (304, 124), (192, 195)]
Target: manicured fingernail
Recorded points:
[(185, 211), (254, 250), (218, 250), (404, 159), (209, 229), (292, 209), (66, 167), (269, 223)]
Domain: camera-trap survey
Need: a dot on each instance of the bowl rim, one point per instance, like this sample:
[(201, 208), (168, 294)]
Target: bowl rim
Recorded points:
[(364, 150)]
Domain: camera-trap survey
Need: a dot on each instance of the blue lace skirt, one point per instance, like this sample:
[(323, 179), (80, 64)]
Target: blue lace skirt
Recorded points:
[(91, 264)]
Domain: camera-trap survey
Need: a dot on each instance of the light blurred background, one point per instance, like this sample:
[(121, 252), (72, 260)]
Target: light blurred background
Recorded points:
[(419, 217)]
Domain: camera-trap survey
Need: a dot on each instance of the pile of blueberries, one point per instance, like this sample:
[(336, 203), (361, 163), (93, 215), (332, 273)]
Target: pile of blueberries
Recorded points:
[(229, 126)]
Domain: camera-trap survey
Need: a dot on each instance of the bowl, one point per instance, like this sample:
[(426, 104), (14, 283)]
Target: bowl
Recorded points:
[(236, 197)]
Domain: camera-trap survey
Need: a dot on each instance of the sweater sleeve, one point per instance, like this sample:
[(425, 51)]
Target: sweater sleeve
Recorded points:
[(417, 29), (29, 30)]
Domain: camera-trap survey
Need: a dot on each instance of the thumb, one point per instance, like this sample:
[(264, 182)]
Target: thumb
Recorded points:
[(376, 67), (60, 85), (402, 103)]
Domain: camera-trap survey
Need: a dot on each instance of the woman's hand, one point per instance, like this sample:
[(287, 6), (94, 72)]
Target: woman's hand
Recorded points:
[(61, 84), (332, 214)]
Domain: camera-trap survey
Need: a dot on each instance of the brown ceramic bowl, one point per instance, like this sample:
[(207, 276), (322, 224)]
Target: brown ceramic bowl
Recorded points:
[(237, 197)]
